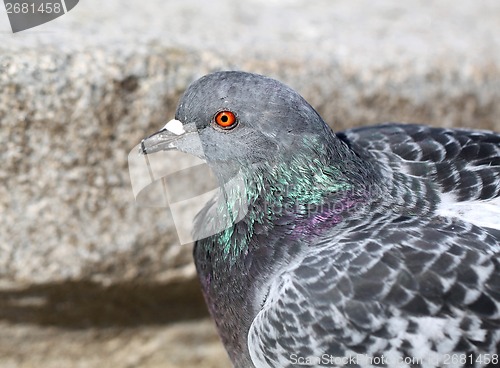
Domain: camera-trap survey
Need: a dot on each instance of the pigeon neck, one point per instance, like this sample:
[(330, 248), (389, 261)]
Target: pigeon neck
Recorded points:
[(308, 189), (284, 200)]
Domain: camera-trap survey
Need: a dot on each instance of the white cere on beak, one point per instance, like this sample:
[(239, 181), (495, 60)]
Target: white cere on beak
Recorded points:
[(174, 126)]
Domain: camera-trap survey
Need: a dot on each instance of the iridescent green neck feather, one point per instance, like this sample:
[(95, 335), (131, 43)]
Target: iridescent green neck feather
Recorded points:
[(290, 184)]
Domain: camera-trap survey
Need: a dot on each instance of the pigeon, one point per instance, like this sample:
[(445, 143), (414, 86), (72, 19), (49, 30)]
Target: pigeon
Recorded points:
[(374, 246)]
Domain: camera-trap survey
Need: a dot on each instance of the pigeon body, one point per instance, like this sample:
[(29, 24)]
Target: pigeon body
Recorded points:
[(374, 246)]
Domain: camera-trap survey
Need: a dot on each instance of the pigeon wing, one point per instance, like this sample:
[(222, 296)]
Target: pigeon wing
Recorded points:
[(410, 290), (465, 163)]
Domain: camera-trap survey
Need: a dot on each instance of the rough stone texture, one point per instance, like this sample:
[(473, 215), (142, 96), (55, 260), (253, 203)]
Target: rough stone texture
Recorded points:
[(77, 94), (124, 325), (181, 344)]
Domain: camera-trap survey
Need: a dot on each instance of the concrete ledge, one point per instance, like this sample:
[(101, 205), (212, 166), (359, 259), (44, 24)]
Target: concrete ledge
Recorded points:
[(74, 101), (68, 125)]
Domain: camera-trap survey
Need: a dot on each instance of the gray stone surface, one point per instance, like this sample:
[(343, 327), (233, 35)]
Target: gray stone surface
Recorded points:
[(77, 94)]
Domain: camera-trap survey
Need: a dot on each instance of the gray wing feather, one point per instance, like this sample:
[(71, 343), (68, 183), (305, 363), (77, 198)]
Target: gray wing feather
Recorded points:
[(464, 162)]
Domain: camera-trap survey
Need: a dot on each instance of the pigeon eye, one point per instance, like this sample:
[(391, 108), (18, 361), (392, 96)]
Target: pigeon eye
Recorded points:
[(225, 119)]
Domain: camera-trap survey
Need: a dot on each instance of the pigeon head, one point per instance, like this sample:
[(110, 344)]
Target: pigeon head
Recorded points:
[(236, 119), (267, 147)]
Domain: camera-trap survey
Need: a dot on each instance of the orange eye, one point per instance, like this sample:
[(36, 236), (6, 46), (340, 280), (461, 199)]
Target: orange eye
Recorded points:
[(225, 119)]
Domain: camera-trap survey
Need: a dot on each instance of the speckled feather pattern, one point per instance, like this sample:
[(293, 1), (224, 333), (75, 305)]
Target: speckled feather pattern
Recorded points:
[(377, 291)]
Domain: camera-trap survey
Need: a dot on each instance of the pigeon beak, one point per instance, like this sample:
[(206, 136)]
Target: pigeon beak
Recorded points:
[(168, 138)]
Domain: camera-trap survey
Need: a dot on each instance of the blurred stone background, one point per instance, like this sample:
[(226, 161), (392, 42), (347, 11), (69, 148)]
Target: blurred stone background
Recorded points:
[(90, 279)]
